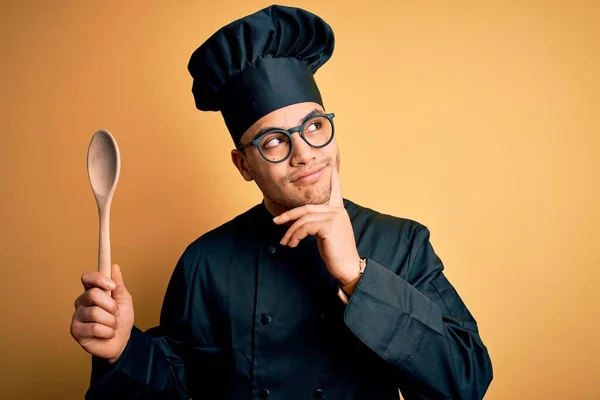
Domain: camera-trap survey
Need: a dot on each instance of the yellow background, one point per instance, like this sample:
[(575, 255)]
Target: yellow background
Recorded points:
[(480, 120)]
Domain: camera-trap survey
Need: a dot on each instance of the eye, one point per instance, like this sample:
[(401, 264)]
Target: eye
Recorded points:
[(316, 125), (272, 143), (273, 140)]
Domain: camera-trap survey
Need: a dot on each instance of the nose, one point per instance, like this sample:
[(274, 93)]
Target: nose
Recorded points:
[(303, 153)]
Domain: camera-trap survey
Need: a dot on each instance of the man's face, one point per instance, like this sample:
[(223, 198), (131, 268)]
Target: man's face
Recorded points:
[(305, 177)]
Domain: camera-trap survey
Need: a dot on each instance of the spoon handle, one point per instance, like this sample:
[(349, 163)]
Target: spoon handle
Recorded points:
[(104, 266)]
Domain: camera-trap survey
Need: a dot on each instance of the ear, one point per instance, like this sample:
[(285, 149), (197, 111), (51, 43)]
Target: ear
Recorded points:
[(239, 160)]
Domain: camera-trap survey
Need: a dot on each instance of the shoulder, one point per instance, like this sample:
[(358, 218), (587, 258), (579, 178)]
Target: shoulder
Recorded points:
[(402, 245), (221, 240), (369, 221)]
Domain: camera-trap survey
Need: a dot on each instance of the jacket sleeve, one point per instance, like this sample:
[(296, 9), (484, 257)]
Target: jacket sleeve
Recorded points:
[(152, 364), (421, 327)]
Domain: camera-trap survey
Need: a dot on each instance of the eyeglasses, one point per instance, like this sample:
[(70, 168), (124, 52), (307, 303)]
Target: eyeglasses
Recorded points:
[(277, 145)]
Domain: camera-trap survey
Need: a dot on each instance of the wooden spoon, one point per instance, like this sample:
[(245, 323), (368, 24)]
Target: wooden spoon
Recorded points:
[(104, 165)]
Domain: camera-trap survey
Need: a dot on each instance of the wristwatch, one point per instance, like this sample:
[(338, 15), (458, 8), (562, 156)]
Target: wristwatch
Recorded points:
[(361, 265)]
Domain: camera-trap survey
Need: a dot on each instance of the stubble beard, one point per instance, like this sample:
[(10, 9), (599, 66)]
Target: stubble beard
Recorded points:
[(297, 196)]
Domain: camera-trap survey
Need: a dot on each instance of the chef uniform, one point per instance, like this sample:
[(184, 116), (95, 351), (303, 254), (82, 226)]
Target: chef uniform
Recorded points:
[(246, 318)]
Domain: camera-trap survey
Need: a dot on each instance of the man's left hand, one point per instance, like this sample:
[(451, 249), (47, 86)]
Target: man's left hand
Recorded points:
[(331, 225)]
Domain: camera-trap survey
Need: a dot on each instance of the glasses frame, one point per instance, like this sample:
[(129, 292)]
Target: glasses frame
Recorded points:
[(289, 133)]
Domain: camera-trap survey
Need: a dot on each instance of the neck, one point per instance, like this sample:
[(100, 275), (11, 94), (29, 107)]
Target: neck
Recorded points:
[(273, 208)]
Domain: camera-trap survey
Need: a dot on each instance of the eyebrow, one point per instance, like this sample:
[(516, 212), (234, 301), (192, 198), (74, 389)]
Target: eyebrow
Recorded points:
[(302, 121)]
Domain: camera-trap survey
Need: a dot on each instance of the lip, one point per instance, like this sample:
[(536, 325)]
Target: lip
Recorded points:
[(309, 176)]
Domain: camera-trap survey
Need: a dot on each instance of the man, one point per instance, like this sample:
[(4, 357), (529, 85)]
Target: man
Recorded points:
[(306, 295)]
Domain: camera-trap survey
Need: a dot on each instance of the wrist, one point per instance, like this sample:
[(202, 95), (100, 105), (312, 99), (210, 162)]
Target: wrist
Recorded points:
[(345, 290), (355, 272), (116, 358)]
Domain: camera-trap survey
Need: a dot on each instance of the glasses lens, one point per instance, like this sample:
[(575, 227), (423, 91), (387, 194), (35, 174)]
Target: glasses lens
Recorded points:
[(318, 131), (275, 146)]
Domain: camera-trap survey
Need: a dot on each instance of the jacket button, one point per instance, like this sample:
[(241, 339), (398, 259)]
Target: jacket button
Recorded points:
[(318, 394), (265, 319), (271, 249), (263, 393)]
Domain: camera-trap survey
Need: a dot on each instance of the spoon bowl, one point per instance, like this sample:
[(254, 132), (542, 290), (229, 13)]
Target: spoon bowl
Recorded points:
[(104, 166)]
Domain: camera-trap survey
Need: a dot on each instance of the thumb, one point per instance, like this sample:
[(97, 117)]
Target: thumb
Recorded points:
[(117, 277)]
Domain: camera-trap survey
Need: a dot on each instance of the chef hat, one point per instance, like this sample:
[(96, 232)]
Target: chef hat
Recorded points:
[(260, 63)]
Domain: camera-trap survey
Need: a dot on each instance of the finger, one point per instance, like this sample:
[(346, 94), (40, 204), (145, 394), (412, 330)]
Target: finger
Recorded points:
[(298, 223), (298, 212), (308, 219), (92, 330), (97, 297), (310, 228), (335, 198), (97, 315), (117, 276), (96, 279), (299, 234)]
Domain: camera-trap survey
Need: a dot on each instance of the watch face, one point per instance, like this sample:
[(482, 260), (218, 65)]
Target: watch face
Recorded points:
[(363, 265)]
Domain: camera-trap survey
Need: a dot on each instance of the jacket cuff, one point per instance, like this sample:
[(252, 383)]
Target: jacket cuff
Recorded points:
[(389, 315), (103, 372)]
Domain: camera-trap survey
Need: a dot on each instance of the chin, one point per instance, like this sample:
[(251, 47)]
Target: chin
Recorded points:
[(317, 196), (292, 197)]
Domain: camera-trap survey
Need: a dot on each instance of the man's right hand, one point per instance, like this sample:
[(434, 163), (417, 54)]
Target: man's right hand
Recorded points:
[(102, 324)]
